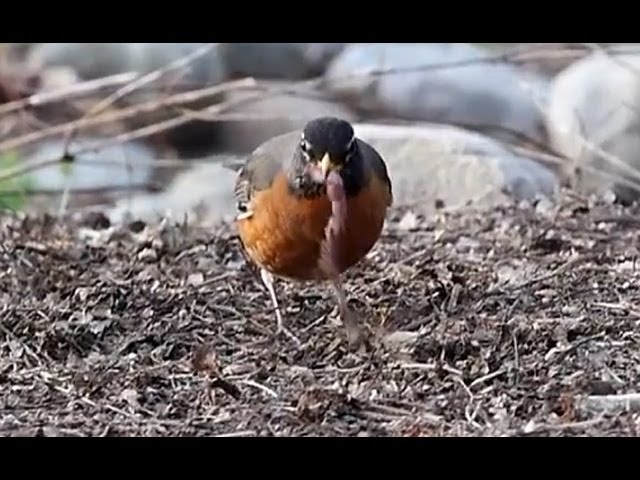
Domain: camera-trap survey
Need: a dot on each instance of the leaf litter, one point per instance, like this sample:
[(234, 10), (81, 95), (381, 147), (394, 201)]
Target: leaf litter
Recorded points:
[(515, 321)]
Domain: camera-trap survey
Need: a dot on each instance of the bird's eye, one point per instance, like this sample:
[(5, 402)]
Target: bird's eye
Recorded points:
[(306, 148)]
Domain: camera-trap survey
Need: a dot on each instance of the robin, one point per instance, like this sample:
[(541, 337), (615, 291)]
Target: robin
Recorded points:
[(311, 204)]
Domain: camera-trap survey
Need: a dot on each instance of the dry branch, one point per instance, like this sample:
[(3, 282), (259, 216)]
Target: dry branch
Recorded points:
[(137, 84), (126, 113), (67, 93), (516, 55), (629, 402), (122, 138), (80, 191)]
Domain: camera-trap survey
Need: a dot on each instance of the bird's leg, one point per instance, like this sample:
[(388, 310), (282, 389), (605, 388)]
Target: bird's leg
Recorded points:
[(347, 316), (267, 279)]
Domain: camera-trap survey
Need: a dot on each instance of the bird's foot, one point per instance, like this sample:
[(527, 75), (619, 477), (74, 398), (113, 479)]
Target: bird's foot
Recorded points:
[(267, 279), (282, 330), (352, 329), (348, 317)]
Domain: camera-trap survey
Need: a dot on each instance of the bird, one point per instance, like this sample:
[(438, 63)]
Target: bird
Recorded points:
[(310, 204)]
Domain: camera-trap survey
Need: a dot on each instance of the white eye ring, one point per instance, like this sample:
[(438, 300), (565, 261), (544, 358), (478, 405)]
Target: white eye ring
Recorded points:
[(351, 147), (305, 147)]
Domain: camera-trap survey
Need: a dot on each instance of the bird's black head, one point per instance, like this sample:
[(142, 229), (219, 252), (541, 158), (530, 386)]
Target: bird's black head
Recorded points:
[(326, 144), (328, 138)]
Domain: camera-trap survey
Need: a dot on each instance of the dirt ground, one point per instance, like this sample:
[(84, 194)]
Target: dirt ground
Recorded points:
[(521, 321)]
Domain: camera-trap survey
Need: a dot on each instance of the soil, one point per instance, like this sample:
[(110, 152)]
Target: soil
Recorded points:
[(524, 320)]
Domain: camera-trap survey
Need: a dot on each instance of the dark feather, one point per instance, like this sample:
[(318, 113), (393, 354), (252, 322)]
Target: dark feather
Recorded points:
[(377, 164)]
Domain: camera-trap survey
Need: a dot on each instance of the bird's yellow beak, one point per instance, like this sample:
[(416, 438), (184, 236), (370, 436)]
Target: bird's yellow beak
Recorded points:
[(326, 164)]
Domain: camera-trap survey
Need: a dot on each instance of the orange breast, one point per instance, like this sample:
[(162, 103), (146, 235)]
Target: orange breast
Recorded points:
[(285, 234)]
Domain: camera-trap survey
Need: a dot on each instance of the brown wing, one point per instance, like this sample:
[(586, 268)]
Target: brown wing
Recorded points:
[(262, 167)]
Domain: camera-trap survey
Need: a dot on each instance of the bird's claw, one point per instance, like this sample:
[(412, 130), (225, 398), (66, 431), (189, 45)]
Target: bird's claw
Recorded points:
[(283, 330)]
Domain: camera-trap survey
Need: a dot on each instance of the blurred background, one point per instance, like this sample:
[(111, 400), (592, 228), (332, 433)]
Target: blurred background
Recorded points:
[(143, 130)]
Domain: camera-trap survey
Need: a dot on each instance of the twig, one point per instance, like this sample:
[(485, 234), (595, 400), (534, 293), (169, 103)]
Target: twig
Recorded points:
[(541, 278), (619, 307), (136, 84), (453, 371), (126, 113), (564, 426), (548, 157), (67, 93), (80, 191), (387, 409), (259, 386), (418, 366), (629, 402), (116, 140), (239, 117), (487, 377), (467, 410), (517, 54), (413, 256), (215, 279), (572, 348), (241, 433)]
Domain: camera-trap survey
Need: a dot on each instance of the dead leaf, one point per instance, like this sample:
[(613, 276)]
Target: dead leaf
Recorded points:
[(205, 360)]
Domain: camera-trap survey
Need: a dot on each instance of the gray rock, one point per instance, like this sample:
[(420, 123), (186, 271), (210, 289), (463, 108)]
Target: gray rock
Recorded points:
[(275, 114), (593, 119), (265, 60), (204, 194), (114, 166), (473, 95), (320, 55), (95, 60), (428, 163), (290, 61)]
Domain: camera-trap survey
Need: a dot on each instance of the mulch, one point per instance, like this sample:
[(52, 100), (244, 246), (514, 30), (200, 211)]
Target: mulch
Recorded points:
[(523, 320)]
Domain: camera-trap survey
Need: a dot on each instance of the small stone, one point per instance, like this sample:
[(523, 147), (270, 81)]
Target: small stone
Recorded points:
[(130, 396), (544, 207), (400, 339), (454, 167), (82, 293), (195, 279), (530, 427), (409, 221), (148, 255), (157, 243)]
